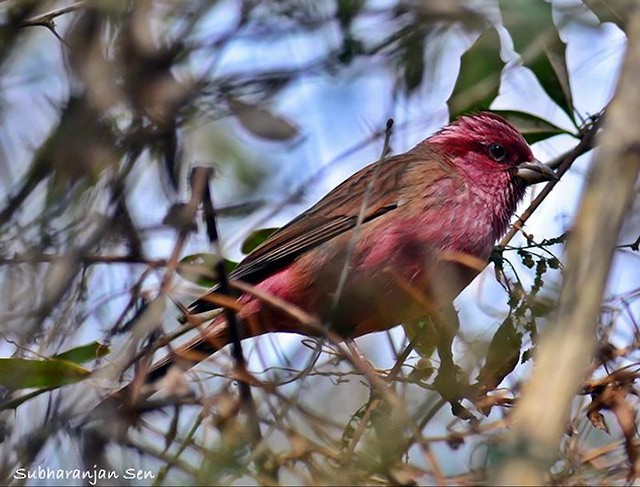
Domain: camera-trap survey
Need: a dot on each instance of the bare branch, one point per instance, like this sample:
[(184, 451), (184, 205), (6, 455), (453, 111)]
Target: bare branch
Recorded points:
[(47, 19), (89, 259), (562, 163), (567, 348)]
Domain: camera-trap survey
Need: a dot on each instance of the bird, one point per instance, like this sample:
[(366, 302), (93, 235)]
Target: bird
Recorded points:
[(410, 230)]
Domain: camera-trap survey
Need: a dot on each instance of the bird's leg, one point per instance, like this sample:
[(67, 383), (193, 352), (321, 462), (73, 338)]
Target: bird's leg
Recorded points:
[(449, 383)]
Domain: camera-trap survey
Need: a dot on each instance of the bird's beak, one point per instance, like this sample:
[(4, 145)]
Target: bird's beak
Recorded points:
[(533, 172)]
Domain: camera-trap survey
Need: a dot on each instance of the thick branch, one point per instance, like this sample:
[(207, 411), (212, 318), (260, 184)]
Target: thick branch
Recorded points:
[(567, 347)]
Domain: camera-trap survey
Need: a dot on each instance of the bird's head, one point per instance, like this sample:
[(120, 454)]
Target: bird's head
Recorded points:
[(485, 143)]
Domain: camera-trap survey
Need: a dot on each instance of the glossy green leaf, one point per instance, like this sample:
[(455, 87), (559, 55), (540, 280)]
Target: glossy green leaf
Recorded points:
[(479, 78), (200, 269), (84, 353), (47, 374), (19, 373), (256, 238), (533, 128), (536, 38)]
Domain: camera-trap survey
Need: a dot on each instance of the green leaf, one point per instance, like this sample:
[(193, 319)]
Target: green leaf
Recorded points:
[(351, 47), (84, 353), (533, 128), (536, 38), (256, 239), (45, 374), (503, 355), (19, 373), (347, 11), (14, 402), (423, 336), (412, 58), (479, 77), (200, 269)]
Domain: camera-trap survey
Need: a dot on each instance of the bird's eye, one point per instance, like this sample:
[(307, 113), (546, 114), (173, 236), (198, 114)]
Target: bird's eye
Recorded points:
[(497, 152)]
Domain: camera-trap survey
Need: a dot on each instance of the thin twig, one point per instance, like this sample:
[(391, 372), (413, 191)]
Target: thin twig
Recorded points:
[(361, 215), (88, 259), (562, 163), (47, 19), (261, 453), (565, 350)]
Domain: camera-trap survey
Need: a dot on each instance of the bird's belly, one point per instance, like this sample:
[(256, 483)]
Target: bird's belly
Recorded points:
[(398, 276)]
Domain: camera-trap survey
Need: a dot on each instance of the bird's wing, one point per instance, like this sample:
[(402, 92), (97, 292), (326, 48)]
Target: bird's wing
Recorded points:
[(333, 215)]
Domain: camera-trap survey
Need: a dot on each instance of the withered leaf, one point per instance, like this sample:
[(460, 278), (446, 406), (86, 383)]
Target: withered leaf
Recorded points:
[(597, 419)]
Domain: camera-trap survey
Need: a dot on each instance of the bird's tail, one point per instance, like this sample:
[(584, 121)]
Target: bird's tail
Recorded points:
[(187, 355), (203, 304)]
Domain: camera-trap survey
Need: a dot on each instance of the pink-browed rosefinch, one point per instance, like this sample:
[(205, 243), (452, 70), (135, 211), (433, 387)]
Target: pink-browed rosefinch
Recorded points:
[(431, 214)]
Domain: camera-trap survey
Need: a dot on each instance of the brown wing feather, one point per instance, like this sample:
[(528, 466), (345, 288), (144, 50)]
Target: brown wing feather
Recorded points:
[(333, 215)]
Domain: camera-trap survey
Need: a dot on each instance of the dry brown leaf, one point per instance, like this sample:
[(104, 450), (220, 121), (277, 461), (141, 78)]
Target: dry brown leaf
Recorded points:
[(597, 419)]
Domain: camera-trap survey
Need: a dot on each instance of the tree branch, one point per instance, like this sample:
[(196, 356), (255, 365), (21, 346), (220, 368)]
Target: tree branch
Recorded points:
[(47, 19), (567, 347), (562, 163), (88, 259)]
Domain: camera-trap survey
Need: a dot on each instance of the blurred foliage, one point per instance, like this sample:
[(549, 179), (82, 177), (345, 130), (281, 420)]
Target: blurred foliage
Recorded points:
[(136, 86), (608, 11), (255, 239), (479, 78), (533, 128), (536, 38), (199, 269)]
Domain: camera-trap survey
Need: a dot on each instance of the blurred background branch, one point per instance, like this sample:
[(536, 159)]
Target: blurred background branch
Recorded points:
[(567, 347), (101, 245)]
